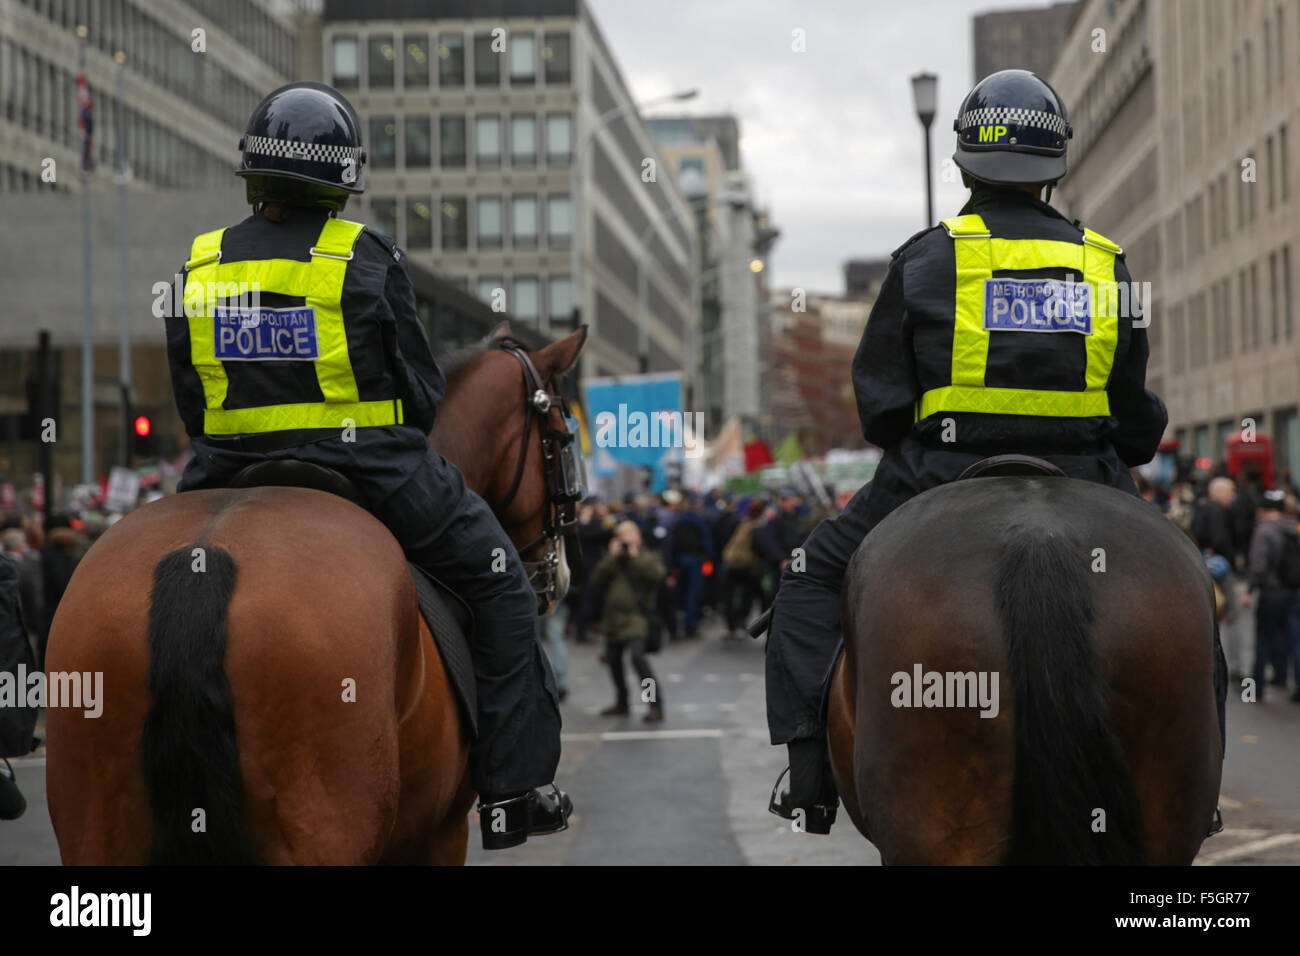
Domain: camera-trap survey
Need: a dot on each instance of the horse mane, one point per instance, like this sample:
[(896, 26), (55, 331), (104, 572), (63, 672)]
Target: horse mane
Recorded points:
[(458, 360)]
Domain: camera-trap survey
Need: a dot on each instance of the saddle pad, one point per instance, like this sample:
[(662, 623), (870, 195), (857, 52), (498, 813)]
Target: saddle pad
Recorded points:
[(452, 623)]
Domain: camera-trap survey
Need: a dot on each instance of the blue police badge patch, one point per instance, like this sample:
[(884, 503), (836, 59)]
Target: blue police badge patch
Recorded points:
[(265, 335), (1037, 305)]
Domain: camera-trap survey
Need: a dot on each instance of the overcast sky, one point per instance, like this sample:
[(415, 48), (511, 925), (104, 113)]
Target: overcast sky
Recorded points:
[(830, 137)]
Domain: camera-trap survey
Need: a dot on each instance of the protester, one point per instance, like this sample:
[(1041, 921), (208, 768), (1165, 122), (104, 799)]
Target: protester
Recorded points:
[(1215, 528), (1274, 574), (689, 546), (595, 527), (629, 578), (782, 534), (744, 571), (17, 723)]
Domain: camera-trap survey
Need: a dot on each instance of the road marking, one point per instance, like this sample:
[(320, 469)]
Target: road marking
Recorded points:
[(1248, 849), (688, 708), (705, 734), (1227, 803), (748, 676), (727, 707), (710, 678), (674, 678)]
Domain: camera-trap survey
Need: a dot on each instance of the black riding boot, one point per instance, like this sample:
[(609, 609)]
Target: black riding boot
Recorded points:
[(510, 820), (812, 799)]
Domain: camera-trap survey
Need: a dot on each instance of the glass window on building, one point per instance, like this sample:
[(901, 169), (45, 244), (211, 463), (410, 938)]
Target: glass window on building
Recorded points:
[(381, 58), (487, 62), (559, 139), (451, 60), (415, 71), (419, 224), (345, 64), (382, 149), (1201, 441), (492, 289), (418, 142), (523, 59), (555, 56), (1287, 437), (523, 221), (523, 140), (488, 224), (559, 298), (451, 141), (383, 216), (525, 305), (455, 231), (1222, 432), (559, 221), (487, 142)]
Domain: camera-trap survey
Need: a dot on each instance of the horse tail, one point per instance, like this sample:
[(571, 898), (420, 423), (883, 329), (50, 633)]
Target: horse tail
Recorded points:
[(189, 752), (1068, 761)]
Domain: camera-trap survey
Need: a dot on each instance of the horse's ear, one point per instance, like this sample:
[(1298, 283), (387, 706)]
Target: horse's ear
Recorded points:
[(560, 357), (500, 332)]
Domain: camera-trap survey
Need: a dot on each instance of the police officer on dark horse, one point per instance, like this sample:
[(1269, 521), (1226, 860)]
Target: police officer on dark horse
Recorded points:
[(948, 373), (348, 381)]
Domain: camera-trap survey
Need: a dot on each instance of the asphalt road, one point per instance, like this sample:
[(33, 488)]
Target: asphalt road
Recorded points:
[(694, 789)]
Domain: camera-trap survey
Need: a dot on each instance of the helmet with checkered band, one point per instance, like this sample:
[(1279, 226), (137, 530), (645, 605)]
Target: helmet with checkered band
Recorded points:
[(1012, 128), (302, 146)]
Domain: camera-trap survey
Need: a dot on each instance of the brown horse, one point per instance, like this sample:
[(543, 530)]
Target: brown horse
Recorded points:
[(1090, 619), (315, 708)]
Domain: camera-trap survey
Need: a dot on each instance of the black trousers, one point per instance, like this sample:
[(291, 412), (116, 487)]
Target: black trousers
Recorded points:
[(742, 587), (447, 529), (804, 633), (640, 663)]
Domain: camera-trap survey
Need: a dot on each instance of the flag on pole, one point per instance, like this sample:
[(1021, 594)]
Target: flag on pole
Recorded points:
[(85, 114)]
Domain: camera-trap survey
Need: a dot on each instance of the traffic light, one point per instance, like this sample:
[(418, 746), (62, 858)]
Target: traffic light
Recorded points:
[(143, 441)]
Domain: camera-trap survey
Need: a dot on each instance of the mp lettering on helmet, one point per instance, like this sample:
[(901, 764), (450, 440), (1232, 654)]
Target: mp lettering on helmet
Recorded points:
[(992, 134)]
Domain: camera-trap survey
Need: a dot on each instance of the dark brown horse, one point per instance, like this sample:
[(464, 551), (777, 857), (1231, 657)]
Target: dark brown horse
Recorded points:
[(315, 706), (1092, 618)]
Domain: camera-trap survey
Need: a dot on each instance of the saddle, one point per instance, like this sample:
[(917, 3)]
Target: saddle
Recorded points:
[(1001, 466), (449, 618)]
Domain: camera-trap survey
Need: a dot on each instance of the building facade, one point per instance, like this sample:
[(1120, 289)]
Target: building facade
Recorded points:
[(735, 239), (1182, 154), (1025, 39), (481, 130)]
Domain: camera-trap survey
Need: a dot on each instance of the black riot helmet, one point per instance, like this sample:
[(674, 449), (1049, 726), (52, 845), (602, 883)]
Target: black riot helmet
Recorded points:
[(1012, 128), (302, 146)]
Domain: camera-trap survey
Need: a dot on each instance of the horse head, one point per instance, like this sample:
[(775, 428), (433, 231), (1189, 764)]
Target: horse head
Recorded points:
[(503, 424)]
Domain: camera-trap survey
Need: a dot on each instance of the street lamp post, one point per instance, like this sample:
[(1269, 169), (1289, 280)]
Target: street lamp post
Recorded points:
[(925, 93), (124, 346)]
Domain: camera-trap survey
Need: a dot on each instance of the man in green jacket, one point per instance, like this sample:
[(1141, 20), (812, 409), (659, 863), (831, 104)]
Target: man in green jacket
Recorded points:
[(629, 577)]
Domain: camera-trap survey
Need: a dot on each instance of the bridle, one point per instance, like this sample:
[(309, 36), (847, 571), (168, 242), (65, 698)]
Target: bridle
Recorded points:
[(563, 474)]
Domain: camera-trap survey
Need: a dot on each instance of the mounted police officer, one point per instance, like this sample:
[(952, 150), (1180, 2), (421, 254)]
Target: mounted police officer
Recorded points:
[(344, 377), (950, 370)]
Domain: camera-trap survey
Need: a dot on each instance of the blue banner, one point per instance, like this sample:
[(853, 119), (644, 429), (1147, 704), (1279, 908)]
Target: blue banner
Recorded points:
[(638, 420)]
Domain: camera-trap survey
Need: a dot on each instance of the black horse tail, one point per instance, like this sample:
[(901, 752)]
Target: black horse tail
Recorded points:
[(1073, 799), (191, 764)]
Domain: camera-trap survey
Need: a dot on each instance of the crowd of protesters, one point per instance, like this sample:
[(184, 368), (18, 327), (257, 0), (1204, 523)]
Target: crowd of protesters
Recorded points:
[(36, 564), (656, 566), (1249, 536)]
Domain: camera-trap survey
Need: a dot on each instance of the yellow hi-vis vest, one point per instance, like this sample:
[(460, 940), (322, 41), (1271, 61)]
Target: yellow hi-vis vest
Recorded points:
[(208, 280), (978, 255)]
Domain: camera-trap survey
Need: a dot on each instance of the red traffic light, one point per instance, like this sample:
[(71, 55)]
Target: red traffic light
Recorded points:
[(143, 426)]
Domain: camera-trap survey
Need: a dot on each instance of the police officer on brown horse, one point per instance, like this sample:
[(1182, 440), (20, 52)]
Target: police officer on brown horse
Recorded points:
[(996, 331), (333, 367)]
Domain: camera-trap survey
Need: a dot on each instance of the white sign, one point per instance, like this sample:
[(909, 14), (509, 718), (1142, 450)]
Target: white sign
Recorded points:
[(123, 489)]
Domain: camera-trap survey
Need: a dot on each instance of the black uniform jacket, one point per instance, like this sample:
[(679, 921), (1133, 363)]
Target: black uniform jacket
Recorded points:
[(387, 345), (907, 348)]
